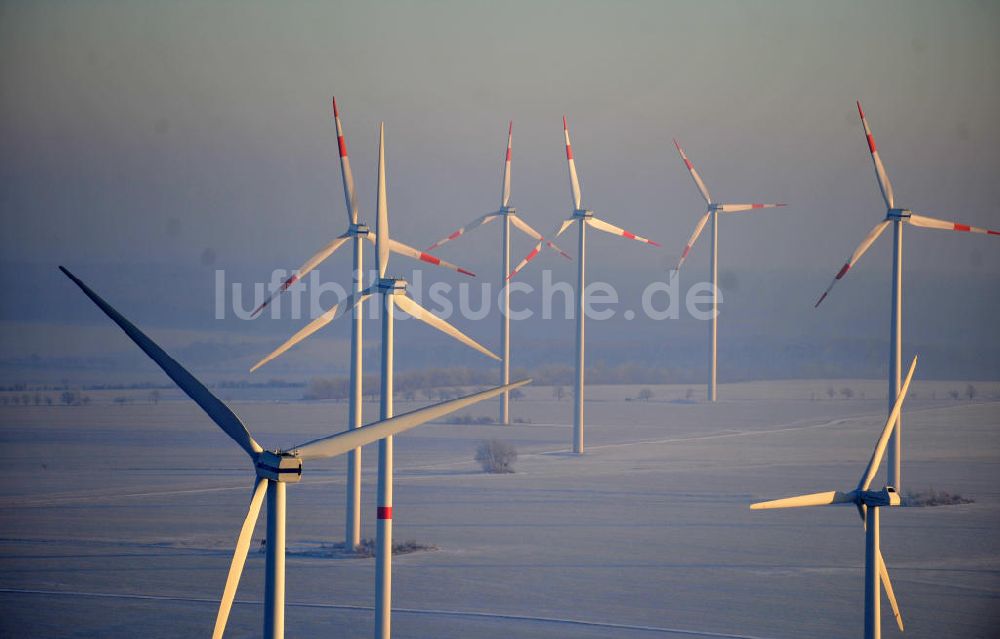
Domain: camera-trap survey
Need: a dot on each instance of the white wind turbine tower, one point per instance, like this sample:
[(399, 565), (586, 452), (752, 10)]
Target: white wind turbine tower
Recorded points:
[(273, 468), (868, 503), (714, 208), (896, 216), (358, 231), (393, 293), (508, 215), (584, 218)]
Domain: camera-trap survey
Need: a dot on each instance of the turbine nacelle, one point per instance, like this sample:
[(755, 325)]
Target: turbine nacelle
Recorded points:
[(391, 286), (359, 229), (584, 213), (878, 498), (898, 214), (279, 466), (507, 210)]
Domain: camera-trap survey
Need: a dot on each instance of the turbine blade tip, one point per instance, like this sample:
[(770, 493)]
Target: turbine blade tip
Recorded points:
[(860, 110), (565, 126), (336, 111), (465, 272)]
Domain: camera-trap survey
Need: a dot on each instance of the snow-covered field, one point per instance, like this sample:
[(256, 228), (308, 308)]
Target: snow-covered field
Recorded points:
[(118, 521)]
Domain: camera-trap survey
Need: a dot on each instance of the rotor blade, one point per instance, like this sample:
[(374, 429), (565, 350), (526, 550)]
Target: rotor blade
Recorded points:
[(538, 247), (409, 251), (694, 174), (883, 178), (944, 225), (601, 225), (815, 499), (382, 221), (239, 558), (858, 252), (694, 238), (310, 264), (884, 574), (335, 311), (214, 407), (345, 170), (419, 312), (736, 208), (528, 230), (475, 224), (505, 188), (574, 183), (866, 478), (349, 440)]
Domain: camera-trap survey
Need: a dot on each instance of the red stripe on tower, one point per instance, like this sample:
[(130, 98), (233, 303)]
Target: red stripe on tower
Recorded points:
[(385, 512), (343, 146)]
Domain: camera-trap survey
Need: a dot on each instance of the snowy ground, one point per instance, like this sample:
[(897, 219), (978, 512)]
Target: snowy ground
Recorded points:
[(118, 521)]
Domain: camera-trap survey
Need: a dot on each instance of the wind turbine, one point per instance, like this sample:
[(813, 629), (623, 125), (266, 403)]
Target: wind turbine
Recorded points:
[(508, 215), (868, 503), (714, 208), (584, 218), (274, 468), (358, 231), (896, 216), (393, 293)]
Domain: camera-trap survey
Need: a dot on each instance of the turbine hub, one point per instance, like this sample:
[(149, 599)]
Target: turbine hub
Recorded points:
[(878, 498), (713, 206), (584, 213), (279, 466), (359, 229), (391, 286), (899, 214), (507, 210)]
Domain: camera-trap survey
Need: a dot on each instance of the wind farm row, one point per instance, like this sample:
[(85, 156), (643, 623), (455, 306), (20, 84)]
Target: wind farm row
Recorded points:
[(275, 468)]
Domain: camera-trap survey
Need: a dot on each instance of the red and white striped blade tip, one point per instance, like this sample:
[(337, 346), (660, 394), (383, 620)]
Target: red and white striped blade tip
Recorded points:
[(336, 112)]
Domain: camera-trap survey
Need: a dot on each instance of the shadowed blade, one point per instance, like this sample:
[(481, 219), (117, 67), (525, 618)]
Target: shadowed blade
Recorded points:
[(944, 225), (310, 264), (607, 227), (531, 232), (866, 477), (382, 207), (814, 499), (239, 558), (336, 311), (480, 221), (349, 440), (883, 178), (350, 196), (694, 174), (403, 249), (419, 312), (858, 252), (212, 405)]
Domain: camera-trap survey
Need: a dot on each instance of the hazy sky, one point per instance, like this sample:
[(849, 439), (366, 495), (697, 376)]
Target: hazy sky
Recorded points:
[(188, 132)]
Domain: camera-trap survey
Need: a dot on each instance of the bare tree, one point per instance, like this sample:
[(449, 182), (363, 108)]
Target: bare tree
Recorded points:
[(559, 392), (496, 456), (645, 394), (970, 392)]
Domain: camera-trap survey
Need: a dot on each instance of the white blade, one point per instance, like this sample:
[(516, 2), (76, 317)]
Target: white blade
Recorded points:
[(607, 227), (538, 247), (349, 440), (310, 264), (345, 170), (505, 188), (409, 251), (475, 224), (694, 174), (880, 174), (336, 311), (694, 238), (382, 221), (814, 499), (239, 558), (866, 478), (529, 231), (574, 183), (944, 225), (419, 312), (736, 208), (884, 574), (858, 252)]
